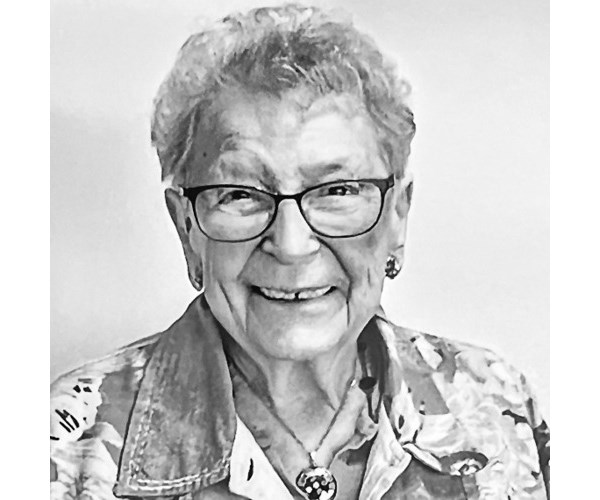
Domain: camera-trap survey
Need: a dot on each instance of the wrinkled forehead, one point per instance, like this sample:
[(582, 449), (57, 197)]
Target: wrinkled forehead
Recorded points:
[(241, 110), (298, 126)]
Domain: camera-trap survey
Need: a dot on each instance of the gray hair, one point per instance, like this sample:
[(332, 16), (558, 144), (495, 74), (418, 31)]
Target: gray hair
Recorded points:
[(273, 50)]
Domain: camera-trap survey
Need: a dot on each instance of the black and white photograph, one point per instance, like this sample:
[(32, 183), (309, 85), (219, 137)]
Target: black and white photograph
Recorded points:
[(299, 250)]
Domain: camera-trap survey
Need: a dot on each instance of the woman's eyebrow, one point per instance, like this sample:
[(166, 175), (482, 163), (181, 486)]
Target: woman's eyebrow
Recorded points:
[(234, 165), (320, 170)]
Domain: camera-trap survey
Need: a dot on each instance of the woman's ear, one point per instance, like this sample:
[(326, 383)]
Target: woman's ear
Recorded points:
[(405, 192), (403, 202), (178, 207), (182, 216)]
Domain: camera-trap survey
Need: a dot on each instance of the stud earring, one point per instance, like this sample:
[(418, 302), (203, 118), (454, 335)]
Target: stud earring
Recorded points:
[(198, 284), (392, 267), (197, 280)]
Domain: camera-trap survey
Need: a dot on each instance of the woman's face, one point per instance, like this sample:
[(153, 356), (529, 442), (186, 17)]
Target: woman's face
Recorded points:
[(285, 145)]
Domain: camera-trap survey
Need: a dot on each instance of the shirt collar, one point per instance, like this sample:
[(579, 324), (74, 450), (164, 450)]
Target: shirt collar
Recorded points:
[(183, 424)]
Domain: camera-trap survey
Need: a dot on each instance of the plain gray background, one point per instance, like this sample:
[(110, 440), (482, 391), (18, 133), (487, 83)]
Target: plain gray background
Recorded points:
[(478, 240)]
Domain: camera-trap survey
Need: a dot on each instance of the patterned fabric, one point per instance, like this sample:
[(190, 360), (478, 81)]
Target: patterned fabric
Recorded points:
[(156, 420)]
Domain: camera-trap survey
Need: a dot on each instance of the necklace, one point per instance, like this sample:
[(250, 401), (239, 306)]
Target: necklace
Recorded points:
[(314, 482)]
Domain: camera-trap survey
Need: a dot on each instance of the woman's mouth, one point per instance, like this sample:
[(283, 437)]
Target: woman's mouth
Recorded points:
[(293, 295)]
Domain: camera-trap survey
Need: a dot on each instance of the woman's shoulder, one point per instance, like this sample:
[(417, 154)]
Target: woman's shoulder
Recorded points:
[(480, 402), (89, 409), (114, 361), (452, 358), (77, 396)]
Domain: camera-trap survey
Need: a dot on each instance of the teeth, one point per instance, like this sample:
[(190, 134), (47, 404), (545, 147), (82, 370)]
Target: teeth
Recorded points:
[(274, 293)]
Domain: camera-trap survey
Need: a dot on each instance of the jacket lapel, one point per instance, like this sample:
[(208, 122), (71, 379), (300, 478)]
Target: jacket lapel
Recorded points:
[(183, 423)]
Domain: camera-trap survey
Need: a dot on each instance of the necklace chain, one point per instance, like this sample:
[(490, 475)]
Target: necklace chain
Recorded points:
[(271, 407)]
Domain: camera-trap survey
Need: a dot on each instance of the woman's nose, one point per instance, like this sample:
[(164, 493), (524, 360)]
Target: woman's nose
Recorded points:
[(290, 238)]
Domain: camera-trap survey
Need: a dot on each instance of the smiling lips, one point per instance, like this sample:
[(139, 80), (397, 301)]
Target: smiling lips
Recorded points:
[(293, 295)]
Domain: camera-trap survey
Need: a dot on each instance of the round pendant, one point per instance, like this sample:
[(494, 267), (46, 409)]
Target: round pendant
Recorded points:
[(317, 483)]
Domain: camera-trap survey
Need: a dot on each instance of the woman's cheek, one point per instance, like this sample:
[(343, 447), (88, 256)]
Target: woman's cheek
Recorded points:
[(226, 260)]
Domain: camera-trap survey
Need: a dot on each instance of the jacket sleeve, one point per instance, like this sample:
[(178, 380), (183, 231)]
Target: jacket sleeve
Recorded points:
[(89, 408), (541, 432), (514, 414), (80, 463)]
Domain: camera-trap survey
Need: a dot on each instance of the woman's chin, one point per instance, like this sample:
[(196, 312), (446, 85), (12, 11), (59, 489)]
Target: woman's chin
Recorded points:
[(301, 341), (298, 330)]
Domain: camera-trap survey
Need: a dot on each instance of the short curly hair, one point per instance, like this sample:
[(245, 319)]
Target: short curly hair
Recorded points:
[(274, 50)]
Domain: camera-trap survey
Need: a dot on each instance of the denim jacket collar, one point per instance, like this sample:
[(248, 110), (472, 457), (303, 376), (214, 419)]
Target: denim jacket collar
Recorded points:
[(180, 434)]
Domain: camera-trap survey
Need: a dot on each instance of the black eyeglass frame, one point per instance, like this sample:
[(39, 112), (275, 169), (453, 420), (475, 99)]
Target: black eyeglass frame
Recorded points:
[(384, 185)]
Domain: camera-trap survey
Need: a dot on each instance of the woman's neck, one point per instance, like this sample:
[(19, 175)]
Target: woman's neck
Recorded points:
[(293, 387)]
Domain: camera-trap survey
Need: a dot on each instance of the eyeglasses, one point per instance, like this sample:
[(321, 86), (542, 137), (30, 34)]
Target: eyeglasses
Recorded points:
[(338, 209)]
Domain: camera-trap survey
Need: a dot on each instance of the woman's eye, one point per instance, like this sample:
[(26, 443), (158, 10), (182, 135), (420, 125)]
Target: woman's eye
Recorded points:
[(233, 196), (343, 190)]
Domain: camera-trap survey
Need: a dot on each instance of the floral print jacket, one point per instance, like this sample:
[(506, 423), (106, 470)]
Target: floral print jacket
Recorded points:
[(157, 419)]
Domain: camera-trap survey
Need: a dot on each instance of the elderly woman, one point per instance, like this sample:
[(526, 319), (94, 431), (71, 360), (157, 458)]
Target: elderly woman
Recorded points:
[(283, 137)]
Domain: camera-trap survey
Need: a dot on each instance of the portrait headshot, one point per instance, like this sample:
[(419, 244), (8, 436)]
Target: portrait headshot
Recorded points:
[(299, 250)]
